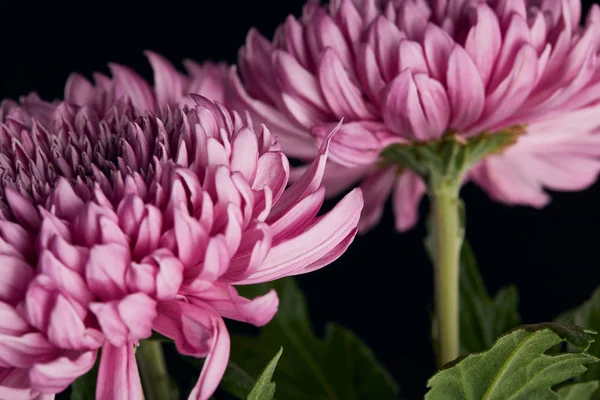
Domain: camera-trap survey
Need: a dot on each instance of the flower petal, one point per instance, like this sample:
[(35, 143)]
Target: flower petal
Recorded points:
[(118, 376)]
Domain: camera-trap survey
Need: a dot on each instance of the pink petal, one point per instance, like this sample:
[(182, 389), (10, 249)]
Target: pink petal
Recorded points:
[(105, 270), (25, 350), (22, 209), (118, 376), (78, 90), (307, 183), (69, 281), (410, 55), (437, 45), (214, 364), (465, 89), (130, 84), (356, 143), (272, 170), (225, 300), (408, 193), (67, 330), (244, 153), (298, 217), (293, 138), (484, 41), (376, 188), (368, 72), (510, 94), (167, 81), (416, 106), (16, 275), (55, 376), (314, 243), (341, 94), (297, 81)]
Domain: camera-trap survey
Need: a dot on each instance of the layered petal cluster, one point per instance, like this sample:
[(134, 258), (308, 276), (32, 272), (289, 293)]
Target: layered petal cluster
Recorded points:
[(113, 227), (171, 88), (412, 71)]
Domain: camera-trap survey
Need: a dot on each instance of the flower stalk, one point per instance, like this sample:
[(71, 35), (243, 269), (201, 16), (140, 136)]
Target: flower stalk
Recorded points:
[(446, 241), (153, 370)]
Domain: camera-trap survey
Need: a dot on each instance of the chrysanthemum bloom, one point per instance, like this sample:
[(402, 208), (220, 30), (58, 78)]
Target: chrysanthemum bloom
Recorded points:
[(112, 228), (413, 71), (171, 88)]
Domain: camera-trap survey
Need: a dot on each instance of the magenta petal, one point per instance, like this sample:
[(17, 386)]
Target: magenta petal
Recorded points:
[(118, 376)]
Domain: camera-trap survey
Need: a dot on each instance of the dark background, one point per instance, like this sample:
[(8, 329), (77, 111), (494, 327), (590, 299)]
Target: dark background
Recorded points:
[(381, 288)]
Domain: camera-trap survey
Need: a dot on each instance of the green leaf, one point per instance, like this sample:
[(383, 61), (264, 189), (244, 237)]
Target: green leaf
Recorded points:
[(483, 319), (578, 391), (588, 315), (340, 366), (264, 389), (515, 367), (84, 387)]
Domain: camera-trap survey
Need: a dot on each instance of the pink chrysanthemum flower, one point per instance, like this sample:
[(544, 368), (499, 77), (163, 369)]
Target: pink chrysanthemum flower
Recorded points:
[(412, 70), (111, 228), (171, 88)]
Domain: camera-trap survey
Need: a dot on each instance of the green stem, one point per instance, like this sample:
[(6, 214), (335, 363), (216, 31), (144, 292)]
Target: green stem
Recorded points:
[(447, 238), (153, 370)]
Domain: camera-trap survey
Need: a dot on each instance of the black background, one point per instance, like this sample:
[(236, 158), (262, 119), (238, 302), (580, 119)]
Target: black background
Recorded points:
[(381, 288)]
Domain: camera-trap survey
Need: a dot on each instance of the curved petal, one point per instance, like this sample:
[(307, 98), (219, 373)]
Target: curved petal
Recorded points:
[(198, 331), (226, 301), (315, 243), (55, 376)]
